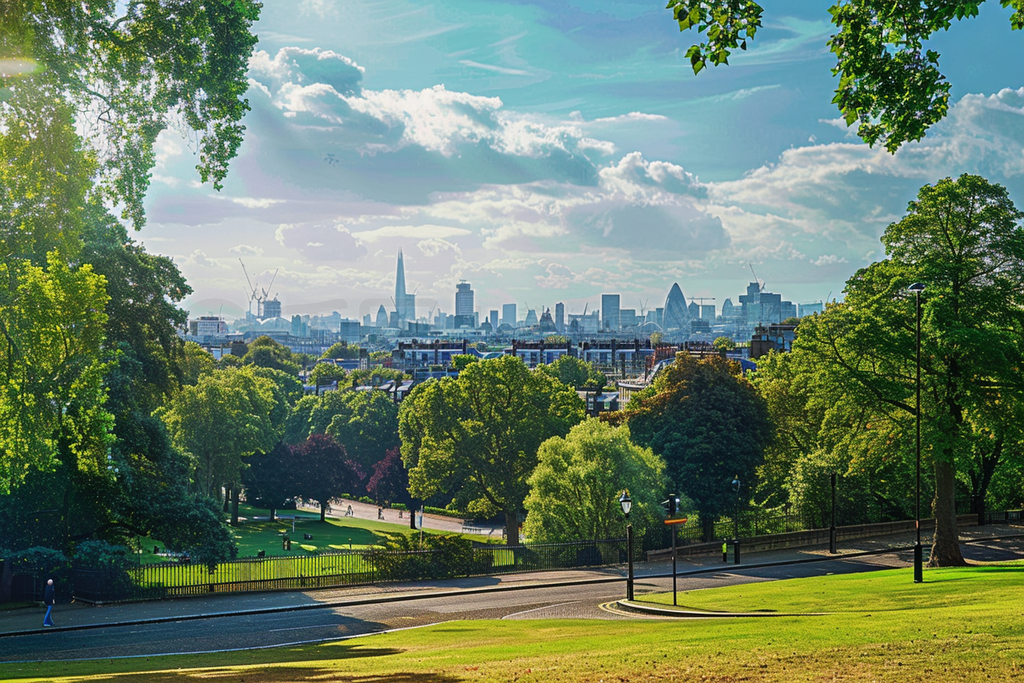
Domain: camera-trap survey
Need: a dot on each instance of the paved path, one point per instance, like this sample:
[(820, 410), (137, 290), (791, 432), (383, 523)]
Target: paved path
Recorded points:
[(435, 522)]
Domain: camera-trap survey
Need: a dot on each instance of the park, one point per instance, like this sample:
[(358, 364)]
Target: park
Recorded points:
[(330, 482)]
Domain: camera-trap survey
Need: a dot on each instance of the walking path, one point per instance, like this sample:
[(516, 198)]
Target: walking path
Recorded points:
[(78, 615), (433, 522)]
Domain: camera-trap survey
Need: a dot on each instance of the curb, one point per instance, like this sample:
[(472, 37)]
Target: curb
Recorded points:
[(640, 608)]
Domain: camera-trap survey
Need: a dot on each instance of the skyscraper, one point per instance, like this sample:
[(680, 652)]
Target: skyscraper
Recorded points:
[(560, 317), (610, 312), (464, 305), (508, 315), (405, 304), (676, 315), (493, 318)]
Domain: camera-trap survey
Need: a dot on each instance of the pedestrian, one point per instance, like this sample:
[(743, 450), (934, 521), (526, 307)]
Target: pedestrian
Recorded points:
[(380, 513), (49, 599)]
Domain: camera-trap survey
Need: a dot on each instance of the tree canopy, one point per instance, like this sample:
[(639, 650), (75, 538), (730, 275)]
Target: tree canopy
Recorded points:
[(575, 488), (708, 423), (479, 433), (889, 80)]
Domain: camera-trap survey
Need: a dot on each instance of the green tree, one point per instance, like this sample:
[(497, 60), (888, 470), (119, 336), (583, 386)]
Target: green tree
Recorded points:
[(709, 424), (367, 427), (479, 433), (341, 350), (51, 371), (889, 80), (461, 360), (964, 241), (722, 344), (264, 352), (575, 488), (226, 417), (130, 70), (326, 374), (574, 372), (195, 362)]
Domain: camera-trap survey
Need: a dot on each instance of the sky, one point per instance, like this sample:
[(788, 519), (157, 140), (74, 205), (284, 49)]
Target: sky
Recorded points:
[(555, 150)]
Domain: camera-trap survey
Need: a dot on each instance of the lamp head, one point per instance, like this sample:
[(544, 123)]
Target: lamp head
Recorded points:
[(736, 482), (626, 502), (916, 288)]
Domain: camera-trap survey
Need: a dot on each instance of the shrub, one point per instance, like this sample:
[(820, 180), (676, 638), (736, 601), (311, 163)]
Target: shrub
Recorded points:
[(440, 557)]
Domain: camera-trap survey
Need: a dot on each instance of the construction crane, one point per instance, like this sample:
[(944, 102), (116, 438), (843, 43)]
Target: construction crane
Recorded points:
[(257, 293)]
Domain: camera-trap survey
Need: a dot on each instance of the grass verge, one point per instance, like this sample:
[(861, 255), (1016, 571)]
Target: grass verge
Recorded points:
[(962, 624)]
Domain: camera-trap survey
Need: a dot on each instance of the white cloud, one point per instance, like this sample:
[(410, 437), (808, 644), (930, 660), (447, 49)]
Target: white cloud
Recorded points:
[(421, 232), (245, 250), (828, 260), (319, 242)]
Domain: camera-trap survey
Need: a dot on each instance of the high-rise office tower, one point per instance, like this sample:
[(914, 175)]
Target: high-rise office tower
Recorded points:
[(493, 317), (405, 304), (508, 315), (676, 315), (464, 305), (610, 312), (560, 317)]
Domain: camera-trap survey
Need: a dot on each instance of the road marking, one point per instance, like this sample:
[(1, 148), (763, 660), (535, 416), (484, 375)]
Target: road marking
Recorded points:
[(536, 609), (297, 628)]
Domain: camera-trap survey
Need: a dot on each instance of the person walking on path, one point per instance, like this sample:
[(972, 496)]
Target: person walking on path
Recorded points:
[(49, 599)]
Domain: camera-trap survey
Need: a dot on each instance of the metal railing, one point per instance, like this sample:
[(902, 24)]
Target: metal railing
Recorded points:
[(345, 568)]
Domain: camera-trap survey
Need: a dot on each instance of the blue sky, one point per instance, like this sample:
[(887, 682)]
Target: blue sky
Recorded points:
[(554, 151)]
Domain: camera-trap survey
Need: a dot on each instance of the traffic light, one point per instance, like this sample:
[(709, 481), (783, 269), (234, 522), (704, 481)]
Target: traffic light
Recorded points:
[(671, 505)]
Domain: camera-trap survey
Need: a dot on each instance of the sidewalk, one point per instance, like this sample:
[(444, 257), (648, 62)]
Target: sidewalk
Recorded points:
[(79, 615)]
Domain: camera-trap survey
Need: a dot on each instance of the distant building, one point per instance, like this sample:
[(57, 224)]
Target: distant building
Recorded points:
[(531, 318), (693, 308), (627, 318), (560, 317), (547, 323), (707, 312), (508, 315), (405, 303), (207, 326), (811, 309), (493, 320), (271, 308), (464, 305), (382, 317), (676, 315), (610, 312)]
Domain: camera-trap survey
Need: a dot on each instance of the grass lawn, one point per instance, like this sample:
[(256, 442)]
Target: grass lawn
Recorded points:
[(961, 625), (252, 535)]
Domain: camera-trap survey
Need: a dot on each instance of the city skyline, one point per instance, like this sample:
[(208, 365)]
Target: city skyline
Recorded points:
[(555, 153)]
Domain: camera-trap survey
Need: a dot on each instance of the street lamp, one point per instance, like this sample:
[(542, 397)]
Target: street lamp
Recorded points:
[(917, 288), (627, 504), (832, 529), (736, 521)]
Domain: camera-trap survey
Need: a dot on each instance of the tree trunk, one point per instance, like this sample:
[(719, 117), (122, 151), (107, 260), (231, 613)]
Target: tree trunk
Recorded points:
[(227, 498), (323, 511), (273, 516), (946, 545), (707, 525), (234, 506), (511, 527)]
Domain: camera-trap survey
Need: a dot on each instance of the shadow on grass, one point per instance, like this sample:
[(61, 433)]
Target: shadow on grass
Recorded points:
[(276, 674)]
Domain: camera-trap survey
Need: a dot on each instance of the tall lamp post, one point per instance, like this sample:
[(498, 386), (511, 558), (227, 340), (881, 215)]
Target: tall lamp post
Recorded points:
[(736, 521), (627, 504), (832, 529), (917, 288)]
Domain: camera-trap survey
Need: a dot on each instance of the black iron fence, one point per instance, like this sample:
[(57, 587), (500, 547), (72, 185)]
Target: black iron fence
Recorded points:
[(344, 568)]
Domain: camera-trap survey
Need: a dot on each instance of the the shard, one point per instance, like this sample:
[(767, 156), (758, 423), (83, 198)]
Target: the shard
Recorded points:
[(405, 304), (676, 316)]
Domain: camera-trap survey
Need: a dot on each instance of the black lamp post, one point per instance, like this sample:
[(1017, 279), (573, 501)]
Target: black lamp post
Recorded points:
[(917, 288), (627, 504), (736, 521), (832, 529)]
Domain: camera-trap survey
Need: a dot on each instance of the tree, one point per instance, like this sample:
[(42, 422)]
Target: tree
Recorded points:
[(367, 427), (461, 360), (889, 82), (389, 481), (341, 350), (479, 434), (709, 424), (226, 417), (723, 344), (326, 374), (51, 372), (574, 372), (195, 362), (270, 477), (964, 241), (264, 352), (130, 70), (575, 488), (323, 470)]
